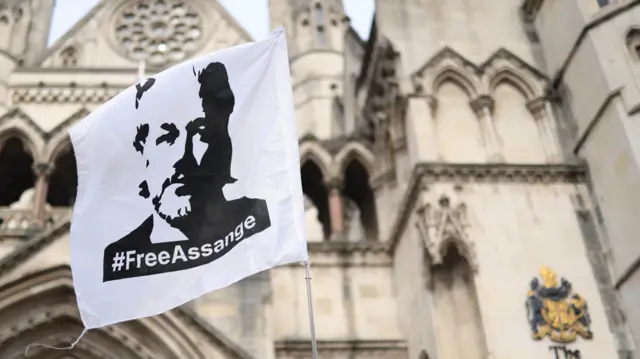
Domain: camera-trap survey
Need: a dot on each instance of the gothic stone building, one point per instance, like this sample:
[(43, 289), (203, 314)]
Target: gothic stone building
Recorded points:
[(446, 160)]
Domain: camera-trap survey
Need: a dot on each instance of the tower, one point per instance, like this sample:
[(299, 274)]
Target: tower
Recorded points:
[(24, 31), (315, 36), (604, 115)]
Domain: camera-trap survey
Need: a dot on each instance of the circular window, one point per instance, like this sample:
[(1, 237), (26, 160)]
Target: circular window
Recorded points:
[(159, 32)]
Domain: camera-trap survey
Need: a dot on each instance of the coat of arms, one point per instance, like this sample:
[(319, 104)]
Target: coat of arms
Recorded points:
[(554, 311)]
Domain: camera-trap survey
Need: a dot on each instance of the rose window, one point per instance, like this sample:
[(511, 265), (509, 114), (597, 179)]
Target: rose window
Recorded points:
[(159, 31)]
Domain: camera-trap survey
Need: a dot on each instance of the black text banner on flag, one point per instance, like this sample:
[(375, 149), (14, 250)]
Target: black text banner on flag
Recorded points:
[(187, 182)]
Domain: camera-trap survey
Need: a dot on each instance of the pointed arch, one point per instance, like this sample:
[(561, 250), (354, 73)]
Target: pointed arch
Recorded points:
[(459, 135), (21, 132), (17, 160), (516, 79), (19, 124), (456, 307), (315, 189), (356, 165), (455, 75), (59, 136), (63, 180), (461, 247), (448, 65), (355, 150), (41, 307), (503, 65), (313, 151), (517, 125)]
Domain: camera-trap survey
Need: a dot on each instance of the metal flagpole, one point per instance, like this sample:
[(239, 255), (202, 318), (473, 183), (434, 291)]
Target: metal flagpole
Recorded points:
[(314, 343)]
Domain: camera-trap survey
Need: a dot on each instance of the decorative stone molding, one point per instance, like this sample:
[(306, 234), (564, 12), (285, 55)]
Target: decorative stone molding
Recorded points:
[(12, 11), (501, 173), (448, 64), (383, 103), (432, 102), (427, 173), (64, 94), (42, 169), (23, 223), (345, 254), (504, 65), (482, 105), (347, 247), (335, 183), (333, 156), (355, 349), (538, 107), (35, 244), (146, 339), (442, 223), (354, 149), (17, 122), (479, 79)]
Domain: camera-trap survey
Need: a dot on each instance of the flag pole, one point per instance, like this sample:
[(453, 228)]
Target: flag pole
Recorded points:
[(314, 343)]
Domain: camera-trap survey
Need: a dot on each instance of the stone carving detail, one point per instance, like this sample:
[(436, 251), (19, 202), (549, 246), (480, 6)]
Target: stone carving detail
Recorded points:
[(70, 94), (442, 223), (159, 32)]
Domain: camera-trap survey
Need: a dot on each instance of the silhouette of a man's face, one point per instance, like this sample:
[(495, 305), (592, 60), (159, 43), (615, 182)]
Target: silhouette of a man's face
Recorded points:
[(187, 165), (178, 153)]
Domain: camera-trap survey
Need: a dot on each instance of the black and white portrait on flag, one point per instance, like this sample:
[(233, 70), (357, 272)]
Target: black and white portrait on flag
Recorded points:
[(194, 160), (188, 181)]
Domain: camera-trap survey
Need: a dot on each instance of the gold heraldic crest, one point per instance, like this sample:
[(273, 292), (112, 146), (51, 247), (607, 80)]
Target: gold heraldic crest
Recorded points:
[(554, 311)]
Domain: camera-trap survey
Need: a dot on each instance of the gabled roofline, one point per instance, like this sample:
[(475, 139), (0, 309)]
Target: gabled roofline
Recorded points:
[(101, 4), (74, 29)]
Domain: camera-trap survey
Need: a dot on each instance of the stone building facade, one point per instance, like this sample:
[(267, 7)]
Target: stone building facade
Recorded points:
[(468, 175)]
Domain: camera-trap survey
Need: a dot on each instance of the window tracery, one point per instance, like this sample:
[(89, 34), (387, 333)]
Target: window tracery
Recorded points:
[(159, 32), (69, 57)]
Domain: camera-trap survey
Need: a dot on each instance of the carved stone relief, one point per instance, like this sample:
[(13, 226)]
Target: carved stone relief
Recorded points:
[(443, 221)]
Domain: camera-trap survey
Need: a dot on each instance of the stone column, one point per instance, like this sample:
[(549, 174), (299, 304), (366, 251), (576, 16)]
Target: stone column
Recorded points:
[(483, 108), (541, 112), (42, 172), (336, 208)]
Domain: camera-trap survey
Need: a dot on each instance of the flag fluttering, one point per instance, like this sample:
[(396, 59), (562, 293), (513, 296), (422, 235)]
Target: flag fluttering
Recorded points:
[(187, 182)]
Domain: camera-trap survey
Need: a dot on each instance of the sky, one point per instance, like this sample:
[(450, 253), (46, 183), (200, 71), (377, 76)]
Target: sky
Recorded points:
[(255, 21)]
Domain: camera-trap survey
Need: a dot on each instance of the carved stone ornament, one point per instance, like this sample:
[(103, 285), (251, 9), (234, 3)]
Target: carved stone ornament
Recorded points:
[(442, 223), (159, 32)]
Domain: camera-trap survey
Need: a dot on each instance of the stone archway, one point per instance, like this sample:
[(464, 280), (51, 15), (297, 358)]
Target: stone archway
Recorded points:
[(41, 308)]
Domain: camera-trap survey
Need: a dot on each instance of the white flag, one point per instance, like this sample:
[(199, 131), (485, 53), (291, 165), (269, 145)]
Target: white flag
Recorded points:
[(187, 183)]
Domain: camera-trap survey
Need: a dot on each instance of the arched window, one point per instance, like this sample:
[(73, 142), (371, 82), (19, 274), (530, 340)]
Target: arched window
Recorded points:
[(16, 171), (456, 307), (358, 193), (63, 182), (315, 191), (69, 57)]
